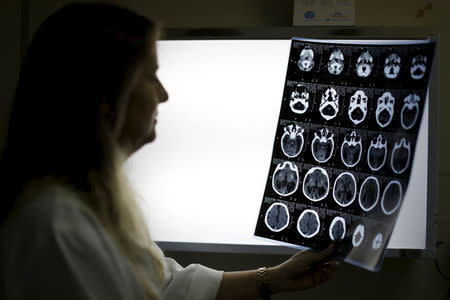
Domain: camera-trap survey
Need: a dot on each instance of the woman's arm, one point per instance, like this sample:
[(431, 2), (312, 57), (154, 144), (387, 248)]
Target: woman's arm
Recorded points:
[(304, 270), (238, 285)]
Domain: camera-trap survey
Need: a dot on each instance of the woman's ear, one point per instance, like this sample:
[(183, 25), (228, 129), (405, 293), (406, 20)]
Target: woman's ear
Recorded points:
[(106, 112), (110, 118)]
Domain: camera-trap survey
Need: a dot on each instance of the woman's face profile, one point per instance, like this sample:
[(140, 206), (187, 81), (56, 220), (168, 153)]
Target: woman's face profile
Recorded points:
[(145, 95)]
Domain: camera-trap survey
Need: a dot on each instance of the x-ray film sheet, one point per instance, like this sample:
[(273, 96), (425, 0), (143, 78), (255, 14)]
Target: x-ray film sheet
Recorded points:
[(344, 145)]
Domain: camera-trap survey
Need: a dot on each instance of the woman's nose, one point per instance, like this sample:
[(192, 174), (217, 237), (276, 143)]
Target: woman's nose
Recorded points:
[(163, 95)]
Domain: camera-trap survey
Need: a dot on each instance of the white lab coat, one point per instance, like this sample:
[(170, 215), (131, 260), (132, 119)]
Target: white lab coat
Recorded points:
[(56, 248)]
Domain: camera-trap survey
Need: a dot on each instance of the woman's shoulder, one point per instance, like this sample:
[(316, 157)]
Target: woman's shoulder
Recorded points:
[(44, 209), (55, 237), (54, 219)]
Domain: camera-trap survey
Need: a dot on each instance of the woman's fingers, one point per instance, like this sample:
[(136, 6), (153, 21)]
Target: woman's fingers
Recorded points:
[(300, 263), (328, 266), (314, 257)]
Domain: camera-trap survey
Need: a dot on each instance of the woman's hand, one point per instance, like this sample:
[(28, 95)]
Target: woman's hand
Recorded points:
[(303, 270)]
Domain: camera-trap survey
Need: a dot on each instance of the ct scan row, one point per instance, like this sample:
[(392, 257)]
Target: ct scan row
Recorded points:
[(316, 186), (308, 225)]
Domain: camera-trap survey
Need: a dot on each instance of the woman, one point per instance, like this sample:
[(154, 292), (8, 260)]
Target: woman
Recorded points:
[(86, 99)]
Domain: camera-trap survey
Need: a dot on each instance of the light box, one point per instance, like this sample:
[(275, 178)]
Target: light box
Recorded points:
[(201, 181)]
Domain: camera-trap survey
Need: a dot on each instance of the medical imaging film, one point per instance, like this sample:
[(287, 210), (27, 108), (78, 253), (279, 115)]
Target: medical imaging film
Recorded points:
[(344, 145)]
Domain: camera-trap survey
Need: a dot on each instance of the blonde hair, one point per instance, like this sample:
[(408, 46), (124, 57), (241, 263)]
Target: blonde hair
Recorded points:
[(79, 62), (121, 215)]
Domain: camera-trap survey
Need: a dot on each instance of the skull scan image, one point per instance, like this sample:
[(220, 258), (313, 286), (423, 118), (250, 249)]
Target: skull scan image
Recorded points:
[(277, 217), (344, 189), (329, 104), (308, 224), (392, 197), (306, 60), (364, 64), (292, 140), (376, 155), (392, 66), (316, 184), (336, 62), (337, 229), (299, 100), (400, 156), (369, 193), (285, 179), (418, 67), (322, 145), (351, 149), (357, 110), (358, 235), (410, 111), (377, 241), (385, 109)]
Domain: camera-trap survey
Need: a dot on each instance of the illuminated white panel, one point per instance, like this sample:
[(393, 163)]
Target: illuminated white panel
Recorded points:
[(203, 178)]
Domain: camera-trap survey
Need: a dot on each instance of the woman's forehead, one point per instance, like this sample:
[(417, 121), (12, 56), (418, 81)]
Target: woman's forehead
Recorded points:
[(151, 59)]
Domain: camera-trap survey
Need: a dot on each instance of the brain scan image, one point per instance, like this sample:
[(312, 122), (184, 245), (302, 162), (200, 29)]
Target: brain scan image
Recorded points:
[(285, 179), (277, 217), (337, 229), (392, 66), (322, 145), (336, 62), (377, 241), (392, 197), (358, 235), (316, 184), (299, 99), (344, 189), (376, 155), (306, 60), (308, 224), (292, 140), (369, 193), (385, 109), (357, 110), (329, 104), (364, 64), (400, 156), (418, 66), (351, 149), (410, 111)]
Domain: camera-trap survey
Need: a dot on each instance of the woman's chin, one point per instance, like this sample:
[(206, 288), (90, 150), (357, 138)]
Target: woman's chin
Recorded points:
[(144, 141), (151, 136)]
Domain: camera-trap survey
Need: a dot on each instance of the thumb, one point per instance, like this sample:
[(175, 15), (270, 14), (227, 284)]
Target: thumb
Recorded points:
[(322, 255)]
